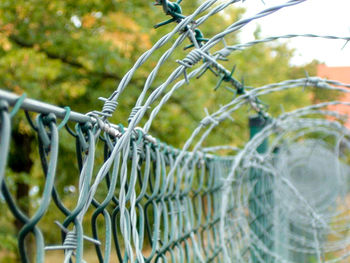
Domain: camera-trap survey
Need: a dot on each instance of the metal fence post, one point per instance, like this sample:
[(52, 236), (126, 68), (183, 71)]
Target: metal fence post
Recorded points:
[(260, 200)]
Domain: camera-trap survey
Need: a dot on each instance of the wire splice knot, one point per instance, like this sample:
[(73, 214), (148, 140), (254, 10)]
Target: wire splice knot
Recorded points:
[(190, 60), (172, 9), (133, 113)]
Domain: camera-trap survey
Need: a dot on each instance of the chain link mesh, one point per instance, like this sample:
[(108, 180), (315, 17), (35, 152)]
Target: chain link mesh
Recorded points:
[(156, 203)]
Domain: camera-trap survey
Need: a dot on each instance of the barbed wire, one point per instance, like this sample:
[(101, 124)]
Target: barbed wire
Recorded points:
[(187, 204), (228, 49)]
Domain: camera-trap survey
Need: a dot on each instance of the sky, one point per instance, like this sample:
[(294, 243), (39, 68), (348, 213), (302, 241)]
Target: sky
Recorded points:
[(323, 17)]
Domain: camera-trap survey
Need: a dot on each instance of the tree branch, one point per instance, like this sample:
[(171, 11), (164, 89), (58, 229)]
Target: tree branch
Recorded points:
[(20, 42)]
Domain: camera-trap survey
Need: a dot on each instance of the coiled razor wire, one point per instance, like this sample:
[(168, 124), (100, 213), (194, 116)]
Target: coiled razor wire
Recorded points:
[(308, 215), (282, 202)]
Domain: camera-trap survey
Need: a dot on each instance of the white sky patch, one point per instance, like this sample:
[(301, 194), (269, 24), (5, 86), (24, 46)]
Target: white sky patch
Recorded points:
[(321, 17), (76, 21), (34, 190), (97, 14)]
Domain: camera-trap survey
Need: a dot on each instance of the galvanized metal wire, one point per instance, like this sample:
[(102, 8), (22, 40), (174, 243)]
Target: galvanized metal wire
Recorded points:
[(187, 205)]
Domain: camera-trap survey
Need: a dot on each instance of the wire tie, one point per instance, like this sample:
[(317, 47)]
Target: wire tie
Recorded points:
[(65, 230), (346, 42), (18, 105), (65, 119)]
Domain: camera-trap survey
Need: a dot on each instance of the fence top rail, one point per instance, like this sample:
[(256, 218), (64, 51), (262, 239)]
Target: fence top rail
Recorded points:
[(42, 107), (112, 129)]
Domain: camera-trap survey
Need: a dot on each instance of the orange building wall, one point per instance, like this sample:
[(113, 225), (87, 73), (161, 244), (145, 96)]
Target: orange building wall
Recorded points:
[(341, 74)]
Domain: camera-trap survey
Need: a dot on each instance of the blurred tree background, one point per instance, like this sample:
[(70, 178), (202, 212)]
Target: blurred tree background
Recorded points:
[(70, 52)]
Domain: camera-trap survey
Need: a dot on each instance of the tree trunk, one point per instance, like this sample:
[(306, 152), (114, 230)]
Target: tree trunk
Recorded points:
[(20, 162)]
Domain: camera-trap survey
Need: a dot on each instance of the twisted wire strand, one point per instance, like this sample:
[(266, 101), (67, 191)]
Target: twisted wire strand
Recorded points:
[(228, 49), (143, 58), (219, 148), (238, 25), (176, 74)]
